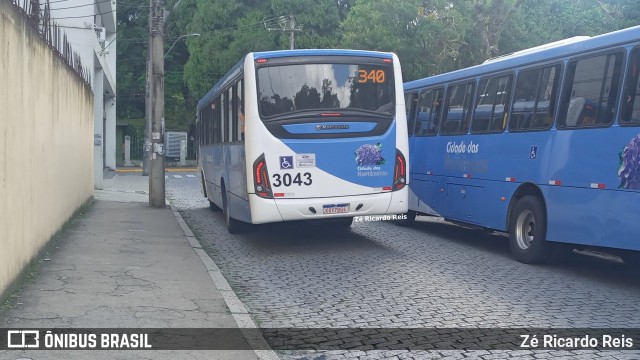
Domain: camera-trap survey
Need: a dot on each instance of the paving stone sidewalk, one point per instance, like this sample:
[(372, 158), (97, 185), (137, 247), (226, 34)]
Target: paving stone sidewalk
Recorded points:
[(121, 264)]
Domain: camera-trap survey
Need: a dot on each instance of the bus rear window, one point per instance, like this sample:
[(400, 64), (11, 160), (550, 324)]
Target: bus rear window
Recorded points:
[(284, 89)]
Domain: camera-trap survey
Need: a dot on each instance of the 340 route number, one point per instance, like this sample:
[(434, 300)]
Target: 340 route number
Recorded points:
[(289, 180)]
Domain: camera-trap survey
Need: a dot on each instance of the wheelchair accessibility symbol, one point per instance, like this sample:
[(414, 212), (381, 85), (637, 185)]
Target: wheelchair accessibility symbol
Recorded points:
[(286, 162)]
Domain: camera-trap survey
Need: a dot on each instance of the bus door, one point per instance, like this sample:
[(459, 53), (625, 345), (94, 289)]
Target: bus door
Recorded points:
[(423, 146)]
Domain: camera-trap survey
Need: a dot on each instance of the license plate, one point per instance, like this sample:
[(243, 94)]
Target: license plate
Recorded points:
[(335, 209)]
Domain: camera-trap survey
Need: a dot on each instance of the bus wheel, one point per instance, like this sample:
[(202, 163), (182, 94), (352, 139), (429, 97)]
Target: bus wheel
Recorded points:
[(409, 218), (528, 231), (233, 226)]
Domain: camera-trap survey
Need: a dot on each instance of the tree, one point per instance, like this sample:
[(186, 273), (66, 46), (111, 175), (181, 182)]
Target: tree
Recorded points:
[(544, 21), (131, 56), (229, 30), (319, 20), (426, 35), (490, 19)]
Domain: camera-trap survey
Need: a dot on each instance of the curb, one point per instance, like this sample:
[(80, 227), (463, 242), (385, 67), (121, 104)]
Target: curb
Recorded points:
[(235, 305)]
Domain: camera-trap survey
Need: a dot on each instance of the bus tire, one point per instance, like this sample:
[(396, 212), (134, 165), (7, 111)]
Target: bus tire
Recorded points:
[(528, 231), (409, 220), (233, 226)]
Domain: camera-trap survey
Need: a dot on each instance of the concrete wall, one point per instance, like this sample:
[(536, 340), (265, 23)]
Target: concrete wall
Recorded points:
[(46, 144)]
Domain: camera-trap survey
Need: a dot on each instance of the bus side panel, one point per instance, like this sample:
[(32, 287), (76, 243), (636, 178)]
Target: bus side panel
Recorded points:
[(423, 196), (236, 182), (582, 216), (210, 175), (579, 211), (425, 168)]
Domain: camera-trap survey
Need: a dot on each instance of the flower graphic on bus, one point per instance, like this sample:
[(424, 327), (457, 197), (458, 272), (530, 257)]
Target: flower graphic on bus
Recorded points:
[(369, 154), (629, 172)]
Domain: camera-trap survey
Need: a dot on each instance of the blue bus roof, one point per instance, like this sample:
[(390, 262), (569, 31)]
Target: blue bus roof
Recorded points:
[(239, 67), (619, 38)]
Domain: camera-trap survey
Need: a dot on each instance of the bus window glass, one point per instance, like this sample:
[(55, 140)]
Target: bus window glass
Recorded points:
[(428, 112), (212, 122), (240, 110), (408, 100), (631, 100), (231, 120), (411, 100), (590, 91), (534, 99), (492, 104), (223, 117), (458, 109), (291, 88)]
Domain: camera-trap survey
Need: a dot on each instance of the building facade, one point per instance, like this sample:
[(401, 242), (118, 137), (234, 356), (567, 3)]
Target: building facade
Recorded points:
[(90, 26)]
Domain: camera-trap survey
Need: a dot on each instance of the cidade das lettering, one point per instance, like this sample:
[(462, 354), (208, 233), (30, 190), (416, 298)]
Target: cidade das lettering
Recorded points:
[(462, 148)]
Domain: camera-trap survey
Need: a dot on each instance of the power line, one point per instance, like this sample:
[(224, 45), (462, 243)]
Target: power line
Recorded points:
[(77, 17), (286, 24), (77, 6)]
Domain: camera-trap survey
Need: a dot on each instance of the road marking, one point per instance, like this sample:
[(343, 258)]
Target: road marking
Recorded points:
[(191, 176), (177, 176)]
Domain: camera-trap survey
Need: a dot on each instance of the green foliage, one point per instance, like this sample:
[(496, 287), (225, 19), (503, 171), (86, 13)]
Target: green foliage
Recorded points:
[(429, 36), (319, 20), (131, 46), (541, 22)]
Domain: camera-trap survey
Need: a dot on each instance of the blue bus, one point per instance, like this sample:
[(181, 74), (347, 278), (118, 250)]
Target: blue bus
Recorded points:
[(543, 144), (305, 135)]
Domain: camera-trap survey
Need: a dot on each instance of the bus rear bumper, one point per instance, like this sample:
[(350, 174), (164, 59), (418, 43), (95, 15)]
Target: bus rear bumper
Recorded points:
[(262, 210)]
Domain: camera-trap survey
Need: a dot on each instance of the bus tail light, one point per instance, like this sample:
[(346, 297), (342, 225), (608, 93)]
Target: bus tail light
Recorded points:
[(399, 172), (261, 178)]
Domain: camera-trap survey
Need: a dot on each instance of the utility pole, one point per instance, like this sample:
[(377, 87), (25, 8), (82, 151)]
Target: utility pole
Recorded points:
[(147, 104), (156, 161), (286, 24)]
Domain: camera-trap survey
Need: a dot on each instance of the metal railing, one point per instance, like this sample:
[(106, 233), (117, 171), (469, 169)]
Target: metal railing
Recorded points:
[(40, 19)]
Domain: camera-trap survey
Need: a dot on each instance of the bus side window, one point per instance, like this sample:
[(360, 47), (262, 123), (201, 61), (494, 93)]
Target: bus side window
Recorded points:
[(591, 91), (410, 104), (240, 105), (213, 127), (630, 102), (534, 99), (458, 109), (429, 108), (230, 120), (492, 102), (436, 111)]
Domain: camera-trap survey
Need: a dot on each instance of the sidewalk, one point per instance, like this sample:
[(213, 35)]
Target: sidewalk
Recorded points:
[(123, 264)]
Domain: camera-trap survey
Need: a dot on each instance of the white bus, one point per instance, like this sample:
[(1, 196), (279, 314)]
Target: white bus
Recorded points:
[(305, 135)]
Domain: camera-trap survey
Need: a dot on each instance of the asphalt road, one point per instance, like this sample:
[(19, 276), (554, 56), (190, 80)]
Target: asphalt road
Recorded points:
[(432, 275)]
